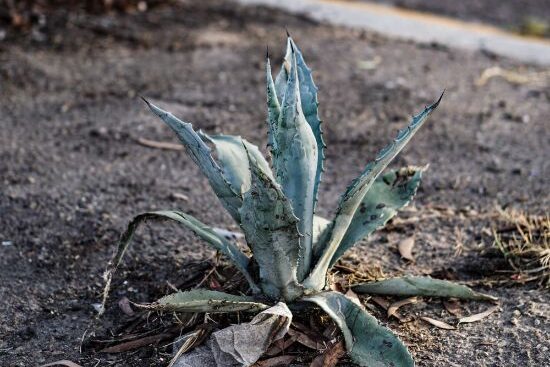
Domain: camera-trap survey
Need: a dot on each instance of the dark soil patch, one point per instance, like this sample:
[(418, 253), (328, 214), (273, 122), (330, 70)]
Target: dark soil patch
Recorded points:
[(72, 173)]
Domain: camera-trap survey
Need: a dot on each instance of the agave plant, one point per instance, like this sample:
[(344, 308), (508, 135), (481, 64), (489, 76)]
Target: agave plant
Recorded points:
[(292, 248)]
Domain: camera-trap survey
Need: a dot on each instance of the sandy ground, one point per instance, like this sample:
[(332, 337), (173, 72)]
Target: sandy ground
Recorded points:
[(72, 173)]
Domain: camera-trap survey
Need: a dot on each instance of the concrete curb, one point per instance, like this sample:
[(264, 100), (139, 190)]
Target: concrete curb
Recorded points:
[(419, 27)]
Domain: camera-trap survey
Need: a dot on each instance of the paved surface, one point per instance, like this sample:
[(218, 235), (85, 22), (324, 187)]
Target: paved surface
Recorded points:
[(419, 27)]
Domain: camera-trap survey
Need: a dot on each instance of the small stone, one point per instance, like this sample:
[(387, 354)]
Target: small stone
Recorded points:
[(7, 243)]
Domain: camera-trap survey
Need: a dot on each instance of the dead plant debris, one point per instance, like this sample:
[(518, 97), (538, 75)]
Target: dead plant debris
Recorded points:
[(524, 241), (478, 316), (438, 323)]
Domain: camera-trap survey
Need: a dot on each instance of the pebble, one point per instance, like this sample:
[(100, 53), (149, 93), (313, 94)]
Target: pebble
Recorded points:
[(7, 243)]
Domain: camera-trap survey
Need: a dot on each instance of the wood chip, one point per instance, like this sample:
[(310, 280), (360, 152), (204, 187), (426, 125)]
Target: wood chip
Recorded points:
[(478, 316), (453, 307), (330, 357), (275, 361), (405, 248), (159, 144), (438, 323), (63, 362), (392, 309)]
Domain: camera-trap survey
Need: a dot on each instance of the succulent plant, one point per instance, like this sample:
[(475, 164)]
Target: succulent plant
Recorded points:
[(292, 248)]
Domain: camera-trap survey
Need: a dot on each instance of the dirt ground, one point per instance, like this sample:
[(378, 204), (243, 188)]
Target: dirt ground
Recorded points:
[(72, 173)]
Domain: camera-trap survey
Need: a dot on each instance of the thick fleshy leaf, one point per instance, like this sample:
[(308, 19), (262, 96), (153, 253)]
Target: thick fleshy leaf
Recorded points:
[(295, 165), (231, 153), (308, 98), (389, 193), (310, 104), (204, 300), (320, 226), (273, 107), (200, 154), (203, 231), (281, 79), (355, 193), (368, 343), (420, 286), (270, 228)]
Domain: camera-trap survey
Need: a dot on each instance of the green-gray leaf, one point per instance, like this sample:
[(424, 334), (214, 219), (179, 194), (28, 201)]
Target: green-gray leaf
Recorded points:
[(203, 231), (282, 78), (203, 300), (367, 342), (273, 108), (271, 231), (308, 98), (231, 153), (420, 286), (389, 193), (200, 153), (320, 226), (295, 165), (355, 193)]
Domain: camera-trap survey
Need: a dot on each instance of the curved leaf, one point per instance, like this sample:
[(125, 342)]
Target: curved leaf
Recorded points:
[(421, 286), (203, 300), (200, 154), (355, 193), (271, 231), (368, 343), (320, 226), (308, 98), (388, 194), (231, 153), (281, 79), (273, 108), (203, 231), (295, 165)]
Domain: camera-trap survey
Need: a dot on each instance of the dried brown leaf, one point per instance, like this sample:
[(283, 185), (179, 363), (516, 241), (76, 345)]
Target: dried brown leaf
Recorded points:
[(134, 344), (330, 357), (405, 248), (310, 341), (453, 307), (438, 323), (392, 309), (276, 361), (63, 362), (194, 339), (382, 302), (159, 144), (478, 316)]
